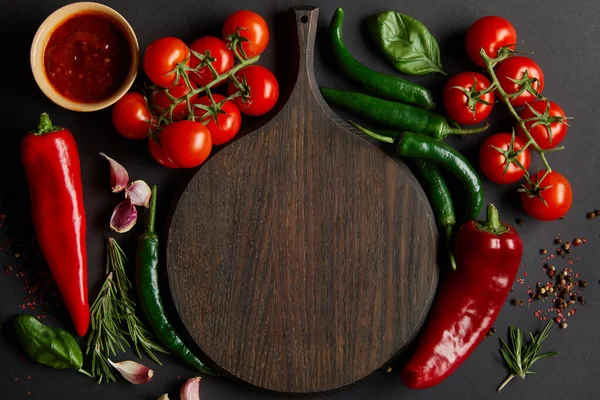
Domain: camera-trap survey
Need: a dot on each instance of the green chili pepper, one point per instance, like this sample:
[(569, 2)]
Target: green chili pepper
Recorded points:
[(414, 145), (398, 116), (53, 347), (150, 297), (376, 82), (437, 192), (441, 201)]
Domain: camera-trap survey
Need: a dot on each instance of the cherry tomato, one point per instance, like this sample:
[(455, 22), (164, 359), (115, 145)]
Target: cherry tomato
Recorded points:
[(157, 152), (264, 90), (254, 28), (463, 106), (160, 99), (556, 192), (160, 59), (493, 163), (186, 143), (490, 33), (540, 133), (228, 124), (218, 50), (131, 116), (515, 68)]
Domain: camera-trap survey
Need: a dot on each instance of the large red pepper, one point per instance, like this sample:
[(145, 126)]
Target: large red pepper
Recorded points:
[(51, 163), (488, 255)]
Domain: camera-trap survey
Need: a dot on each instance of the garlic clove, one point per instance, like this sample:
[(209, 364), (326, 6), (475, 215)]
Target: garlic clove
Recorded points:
[(139, 193), (123, 217), (164, 397), (190, 390), (119, 178), (133, 372)]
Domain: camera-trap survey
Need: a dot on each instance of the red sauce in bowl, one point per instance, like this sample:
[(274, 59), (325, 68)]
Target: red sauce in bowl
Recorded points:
[(87, 57)]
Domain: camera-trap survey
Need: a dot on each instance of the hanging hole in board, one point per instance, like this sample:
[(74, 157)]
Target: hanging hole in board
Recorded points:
[(304, 19)]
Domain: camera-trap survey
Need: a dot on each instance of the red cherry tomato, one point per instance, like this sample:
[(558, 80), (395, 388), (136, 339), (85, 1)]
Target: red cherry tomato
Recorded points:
[(186, 143), (556, 192), (218, 50), (161, 100), (228, 123), (131, 116), (255, 29), (493, 163), (515, 68), (160, 59), (157, 152), (264, 90), (540, 133), (463, 107), (490, 33)]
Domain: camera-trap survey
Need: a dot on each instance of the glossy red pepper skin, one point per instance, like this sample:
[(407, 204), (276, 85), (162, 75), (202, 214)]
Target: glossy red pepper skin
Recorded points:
[(468, 301), (51, 162)]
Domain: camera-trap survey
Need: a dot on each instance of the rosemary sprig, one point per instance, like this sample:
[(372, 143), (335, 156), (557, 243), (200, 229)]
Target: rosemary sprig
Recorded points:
[(140, 336), (520, 357), (113, 309), (106, 336)]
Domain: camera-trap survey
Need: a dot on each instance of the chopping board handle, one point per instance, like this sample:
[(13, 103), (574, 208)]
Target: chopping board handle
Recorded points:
[(306, 19)]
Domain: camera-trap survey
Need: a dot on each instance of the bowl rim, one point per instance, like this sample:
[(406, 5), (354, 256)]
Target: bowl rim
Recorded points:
[(40, 40)]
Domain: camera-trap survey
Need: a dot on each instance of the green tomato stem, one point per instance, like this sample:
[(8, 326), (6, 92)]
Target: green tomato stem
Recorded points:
[(490, 64), (194, 92)]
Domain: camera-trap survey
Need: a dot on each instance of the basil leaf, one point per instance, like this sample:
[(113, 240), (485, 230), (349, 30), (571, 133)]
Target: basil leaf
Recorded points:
[(406, 42), (53, 347)]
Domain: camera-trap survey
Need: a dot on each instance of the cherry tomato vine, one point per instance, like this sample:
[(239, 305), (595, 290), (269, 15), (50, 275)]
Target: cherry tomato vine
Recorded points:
[(527, 84)]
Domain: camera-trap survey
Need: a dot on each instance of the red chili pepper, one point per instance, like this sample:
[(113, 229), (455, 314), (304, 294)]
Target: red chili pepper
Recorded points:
[(51, 163), (488, 255)]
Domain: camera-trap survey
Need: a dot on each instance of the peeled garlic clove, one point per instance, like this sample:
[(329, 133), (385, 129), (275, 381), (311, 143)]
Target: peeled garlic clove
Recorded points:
[(123, 217), (139, 193), (119, 178), (133, 372), (164, 397), (190, 389)]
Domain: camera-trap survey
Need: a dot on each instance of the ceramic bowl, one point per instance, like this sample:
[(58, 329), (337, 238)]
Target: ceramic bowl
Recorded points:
[(40, 42)]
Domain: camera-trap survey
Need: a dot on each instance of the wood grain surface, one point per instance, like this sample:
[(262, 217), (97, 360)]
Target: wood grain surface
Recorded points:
[(301, 257)]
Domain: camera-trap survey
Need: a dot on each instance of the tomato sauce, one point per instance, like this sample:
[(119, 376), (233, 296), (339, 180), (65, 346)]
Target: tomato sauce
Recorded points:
[(87, 57)]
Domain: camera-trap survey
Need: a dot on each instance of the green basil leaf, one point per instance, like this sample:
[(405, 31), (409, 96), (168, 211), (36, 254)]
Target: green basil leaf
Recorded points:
[(406, 42), (53, 347)]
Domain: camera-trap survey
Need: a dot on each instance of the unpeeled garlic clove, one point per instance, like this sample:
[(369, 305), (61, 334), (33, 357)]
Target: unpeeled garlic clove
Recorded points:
[(133, 372), (119, 178), (123, 217), (190, 390), (139, 192)]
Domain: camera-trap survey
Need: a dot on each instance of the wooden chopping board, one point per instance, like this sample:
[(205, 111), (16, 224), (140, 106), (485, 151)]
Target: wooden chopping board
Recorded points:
[(301, 257)]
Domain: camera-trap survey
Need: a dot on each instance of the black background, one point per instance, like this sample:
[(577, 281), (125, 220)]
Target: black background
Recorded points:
[(563, 36)]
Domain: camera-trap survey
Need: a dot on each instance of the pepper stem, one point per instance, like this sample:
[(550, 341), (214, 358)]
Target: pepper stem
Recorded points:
[(461, 131), (45, 125), (152, 213), (376, 136), (493, 219), (492, 223), (449, 247)]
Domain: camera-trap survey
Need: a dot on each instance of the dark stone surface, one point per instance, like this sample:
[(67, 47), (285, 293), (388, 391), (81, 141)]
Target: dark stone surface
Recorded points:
[(564, 38)]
